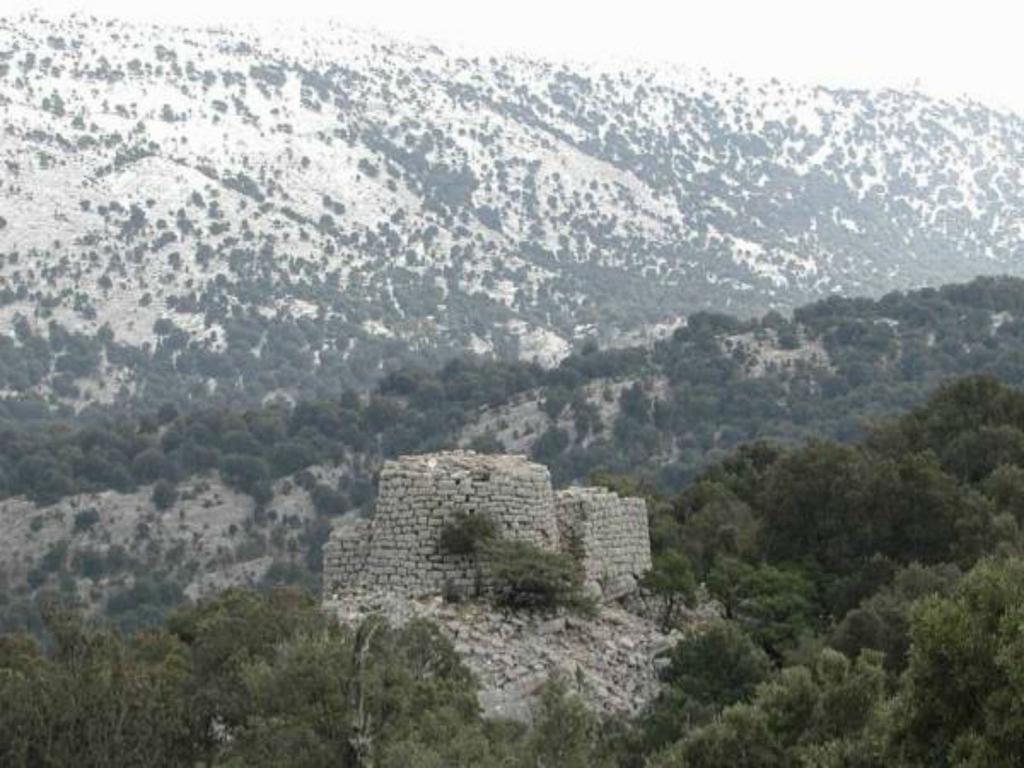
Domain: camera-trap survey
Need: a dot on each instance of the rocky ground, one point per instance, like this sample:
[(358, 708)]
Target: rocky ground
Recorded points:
[(612, 659)]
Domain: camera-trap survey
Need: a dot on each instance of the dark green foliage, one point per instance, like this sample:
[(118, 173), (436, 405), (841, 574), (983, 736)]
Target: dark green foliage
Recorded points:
[(671, 580), (164, 494), (549, 445), (328, 501), (89, 563), (146, 603), (525, 576), (856, 543), (55, 556), (787, 539), (267, 680), (565, 733), (962, 689), (97, 700), (150, 465), (47, 460), (718, 665), (709, 519), (711, 668), (882, 621), (842, 504), (290, 456), (86, 520), (865, 543), (776, 605), (849, 639), (819, 714), (706, 401), (246, 472), (555, 400), (466, 534)]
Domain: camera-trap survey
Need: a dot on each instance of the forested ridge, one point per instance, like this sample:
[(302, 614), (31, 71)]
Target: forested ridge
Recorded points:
[(660, 411), (225, 214), (660, 414), (867, 564), (871, 598)]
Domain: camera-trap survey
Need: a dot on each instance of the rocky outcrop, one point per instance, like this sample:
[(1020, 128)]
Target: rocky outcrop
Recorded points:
[(612, 659)]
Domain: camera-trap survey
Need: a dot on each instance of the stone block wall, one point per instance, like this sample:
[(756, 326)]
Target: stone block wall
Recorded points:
[(399, 548), (347, 551), (608, 534), (417, 496)]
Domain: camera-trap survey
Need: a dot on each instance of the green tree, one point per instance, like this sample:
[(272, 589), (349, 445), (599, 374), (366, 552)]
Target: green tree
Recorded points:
[(709, 669), (808, 715), (882, 622), (525, 576), (776, 605), (96, 700), (165, 494), (565, 732), (467, 534), (963, 686), (672, 582)]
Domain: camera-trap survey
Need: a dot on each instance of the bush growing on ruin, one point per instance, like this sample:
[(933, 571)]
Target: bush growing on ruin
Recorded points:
[(466, 534), (526, 576)]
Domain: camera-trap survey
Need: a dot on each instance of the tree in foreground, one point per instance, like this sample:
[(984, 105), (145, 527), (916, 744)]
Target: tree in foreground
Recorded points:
[(672, 582)]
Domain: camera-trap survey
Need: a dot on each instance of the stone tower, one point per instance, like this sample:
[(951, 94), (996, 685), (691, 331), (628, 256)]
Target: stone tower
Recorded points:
[(398, 549)]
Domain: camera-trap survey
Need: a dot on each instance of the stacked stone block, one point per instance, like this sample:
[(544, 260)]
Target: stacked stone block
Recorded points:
[(346, 553), (608, 535), (399, 549), (417, 496)]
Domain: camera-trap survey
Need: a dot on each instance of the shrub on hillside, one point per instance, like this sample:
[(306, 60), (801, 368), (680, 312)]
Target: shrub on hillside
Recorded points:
[(85, 520), (164, 494), (671, 579), (328, 501)]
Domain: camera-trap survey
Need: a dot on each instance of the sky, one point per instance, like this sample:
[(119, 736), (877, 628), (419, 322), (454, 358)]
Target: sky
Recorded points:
[(945, 48)]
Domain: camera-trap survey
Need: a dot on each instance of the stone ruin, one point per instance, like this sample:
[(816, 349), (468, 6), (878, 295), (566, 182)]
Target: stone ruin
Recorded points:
[(398, 550), (392, 564)]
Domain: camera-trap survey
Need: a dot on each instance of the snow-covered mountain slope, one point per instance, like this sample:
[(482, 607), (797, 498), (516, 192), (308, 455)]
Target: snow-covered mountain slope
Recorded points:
[(249, 213)]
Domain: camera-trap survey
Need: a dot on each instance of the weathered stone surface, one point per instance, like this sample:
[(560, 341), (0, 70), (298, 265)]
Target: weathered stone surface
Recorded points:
[(609, 535), (399, 548), (613, 659)]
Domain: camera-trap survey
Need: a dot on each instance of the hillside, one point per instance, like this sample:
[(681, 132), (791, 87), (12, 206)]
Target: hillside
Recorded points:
[(660, 415), (718, 382), (131, 555), (216, 215), (867, 603)]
